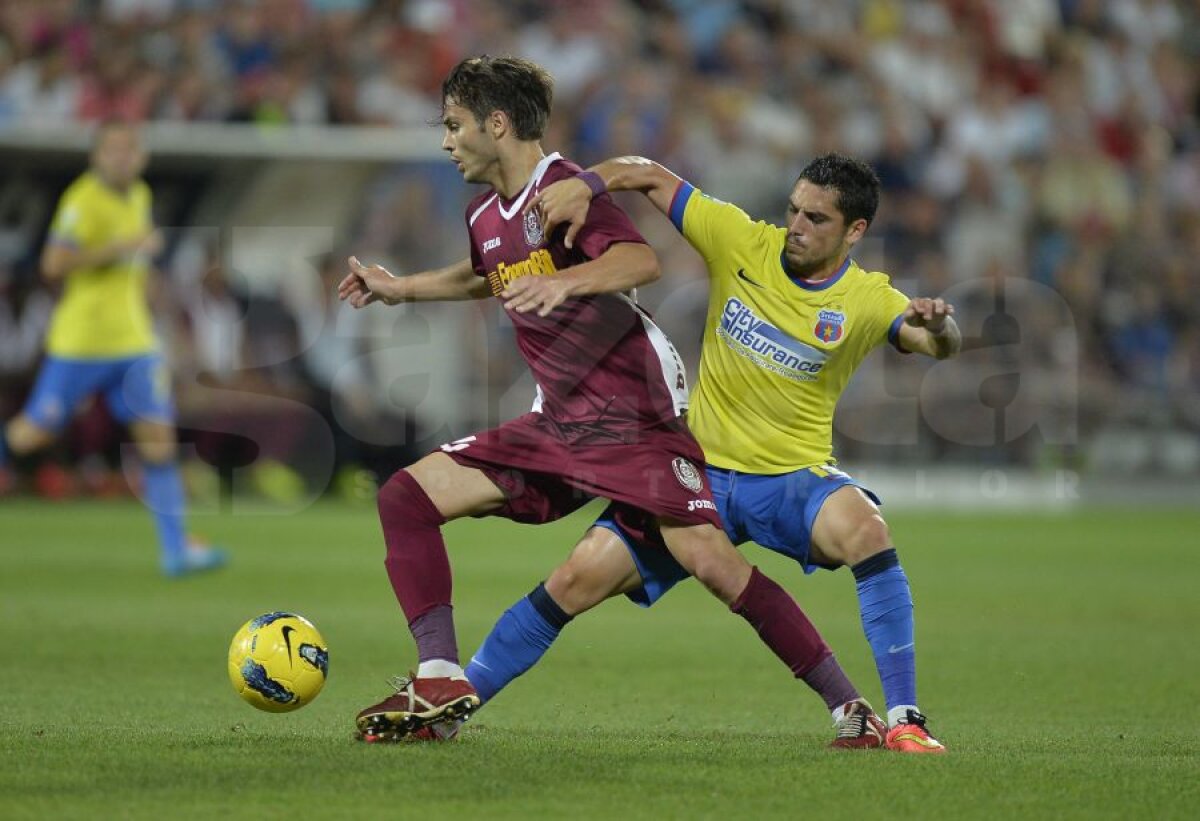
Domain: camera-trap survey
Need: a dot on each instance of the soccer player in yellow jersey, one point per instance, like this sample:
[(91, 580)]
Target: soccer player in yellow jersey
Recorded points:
[(101, 337), (790, 317)]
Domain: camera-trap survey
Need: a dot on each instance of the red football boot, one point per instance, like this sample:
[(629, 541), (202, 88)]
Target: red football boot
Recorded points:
[(858, 728), (417, 704), (434, 733)]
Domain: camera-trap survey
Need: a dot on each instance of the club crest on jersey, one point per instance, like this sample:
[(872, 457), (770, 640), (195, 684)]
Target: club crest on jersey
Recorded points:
[(829, 326), (533, 229), (687, 474)]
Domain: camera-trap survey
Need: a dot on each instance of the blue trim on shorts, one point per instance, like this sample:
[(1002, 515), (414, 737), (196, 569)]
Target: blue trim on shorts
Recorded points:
[(134, 387), (753, 507)]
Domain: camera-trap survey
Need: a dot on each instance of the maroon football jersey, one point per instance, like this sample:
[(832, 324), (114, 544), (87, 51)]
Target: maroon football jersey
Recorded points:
[(596, 358)]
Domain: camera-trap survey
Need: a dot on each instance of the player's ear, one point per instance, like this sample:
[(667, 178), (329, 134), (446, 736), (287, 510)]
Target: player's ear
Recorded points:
[(856, 230), (498, 124)]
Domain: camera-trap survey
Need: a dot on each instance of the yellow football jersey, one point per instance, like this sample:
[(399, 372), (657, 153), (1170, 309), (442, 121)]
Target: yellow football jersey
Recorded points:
[(103, 312), (777, 353)]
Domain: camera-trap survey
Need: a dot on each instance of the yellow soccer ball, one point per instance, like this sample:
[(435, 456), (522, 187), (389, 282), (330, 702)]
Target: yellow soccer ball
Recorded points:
[(278, 662)]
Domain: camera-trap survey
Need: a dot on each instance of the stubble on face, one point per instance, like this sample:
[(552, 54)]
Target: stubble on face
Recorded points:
[(466, 141), (816, 231)]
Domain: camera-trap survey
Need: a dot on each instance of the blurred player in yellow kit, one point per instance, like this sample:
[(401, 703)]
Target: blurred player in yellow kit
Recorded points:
[(101, 338)]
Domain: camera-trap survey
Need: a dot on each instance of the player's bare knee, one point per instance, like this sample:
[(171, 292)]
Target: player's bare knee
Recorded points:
[(721, 587), (24, 437), (155, 441), (708, 555), (580, 583), (868, 537), (567, 588), (724, 576), (393, 494), (156, 452)]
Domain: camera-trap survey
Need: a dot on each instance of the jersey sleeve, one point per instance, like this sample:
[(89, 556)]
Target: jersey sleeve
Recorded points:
[(146, 203), (891, 304), (476, 258), (72, 225), (606, 226), (710, 225)]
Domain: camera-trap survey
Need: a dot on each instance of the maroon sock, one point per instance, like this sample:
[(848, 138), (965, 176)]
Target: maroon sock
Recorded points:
[(416, 562), (781, 624), (829, 681), (434, 632)]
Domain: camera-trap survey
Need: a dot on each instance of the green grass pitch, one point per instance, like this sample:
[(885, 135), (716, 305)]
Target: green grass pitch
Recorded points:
[(1058, 661)]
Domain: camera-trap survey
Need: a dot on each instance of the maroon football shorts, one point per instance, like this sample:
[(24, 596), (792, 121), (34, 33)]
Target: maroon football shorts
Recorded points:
[(548, 471)]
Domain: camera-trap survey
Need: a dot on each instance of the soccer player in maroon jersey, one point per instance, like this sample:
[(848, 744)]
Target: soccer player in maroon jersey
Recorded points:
[(606, 421)]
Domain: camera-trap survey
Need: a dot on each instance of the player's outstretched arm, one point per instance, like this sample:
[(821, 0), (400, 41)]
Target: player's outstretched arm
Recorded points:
[(60, 258), (365, 284), (623, 266), (929, 328), (567, 201)]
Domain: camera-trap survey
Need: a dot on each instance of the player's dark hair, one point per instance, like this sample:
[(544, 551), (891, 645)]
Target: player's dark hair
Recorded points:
[(111, 124), (521, 89), (856, 184)]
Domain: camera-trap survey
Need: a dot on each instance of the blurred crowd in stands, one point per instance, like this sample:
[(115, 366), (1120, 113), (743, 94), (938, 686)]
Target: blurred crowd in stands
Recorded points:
[(1040, 159)]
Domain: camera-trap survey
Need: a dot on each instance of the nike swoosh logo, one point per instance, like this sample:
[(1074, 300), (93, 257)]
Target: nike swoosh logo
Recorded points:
[(902, 648), (742, 275), (287, 631)]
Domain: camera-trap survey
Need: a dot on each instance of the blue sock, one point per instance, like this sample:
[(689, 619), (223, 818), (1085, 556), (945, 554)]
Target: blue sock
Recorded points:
[(164, 497), (517, 642), (3, 446), (885, 604)]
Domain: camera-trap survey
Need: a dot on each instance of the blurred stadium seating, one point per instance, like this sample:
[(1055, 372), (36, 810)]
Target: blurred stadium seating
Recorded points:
[(1041, 164)]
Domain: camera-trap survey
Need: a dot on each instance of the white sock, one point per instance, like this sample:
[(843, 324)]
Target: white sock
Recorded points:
[(899, 713), (840, 712), (438, 668)]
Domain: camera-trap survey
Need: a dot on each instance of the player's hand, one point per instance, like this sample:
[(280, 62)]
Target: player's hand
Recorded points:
[(152, 243), (540, 293), (566, 201), (366, 284), (928, 313)]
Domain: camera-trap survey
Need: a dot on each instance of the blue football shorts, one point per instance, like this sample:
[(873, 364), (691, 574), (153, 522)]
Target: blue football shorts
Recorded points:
[(776, 511), (135, 388)]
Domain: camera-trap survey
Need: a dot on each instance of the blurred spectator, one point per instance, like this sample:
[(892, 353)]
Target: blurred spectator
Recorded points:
[(336, 362), (1048, 142), (241, 392), (393, 96), (24, 317), (568, 47), (42, 90), (245, 40), (983, 226)]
